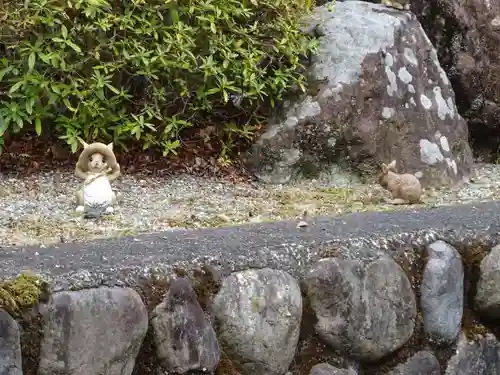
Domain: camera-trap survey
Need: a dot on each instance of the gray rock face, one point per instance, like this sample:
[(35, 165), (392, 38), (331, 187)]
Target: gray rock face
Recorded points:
[(259, 312), (365, 308), (471, 51), (327, 369), (185, 339), (10, 346), (92, 332), (377, 92), (422, 363), (479, 357), (442, 293), (488, 292)]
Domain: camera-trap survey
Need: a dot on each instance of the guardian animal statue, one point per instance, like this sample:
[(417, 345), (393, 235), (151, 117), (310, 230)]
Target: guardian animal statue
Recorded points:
[(97, 166), (404, 188)]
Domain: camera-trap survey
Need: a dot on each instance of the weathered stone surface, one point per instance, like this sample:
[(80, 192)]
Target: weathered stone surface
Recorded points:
[(185, 339), (259, 313), (327, 369), (10, 346), (442, 293), (478, 357), (92, 332), (365, 307), (422, 363), (466, 35), (488, 292), (377, 93)]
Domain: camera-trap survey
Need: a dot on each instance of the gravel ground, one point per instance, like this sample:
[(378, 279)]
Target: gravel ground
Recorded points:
[(39, 210)]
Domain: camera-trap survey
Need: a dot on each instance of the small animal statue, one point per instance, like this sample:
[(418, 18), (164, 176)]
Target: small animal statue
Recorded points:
[(97, 166), (404, 188), (398, 4)]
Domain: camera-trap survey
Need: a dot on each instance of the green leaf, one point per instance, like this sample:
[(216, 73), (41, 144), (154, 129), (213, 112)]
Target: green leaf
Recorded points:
[(4, 125), (114, 89), (175, 15), (213, 90), (38, 126), (4, 71), (19, 121), (29, 106), (74, 46), (64, 32), (55, 88), (31, 60), (68, 105), (16, 87), (45, 58)]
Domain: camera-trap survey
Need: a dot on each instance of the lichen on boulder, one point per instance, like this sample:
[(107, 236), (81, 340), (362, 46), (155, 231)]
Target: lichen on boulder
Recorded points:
[(372, 98)]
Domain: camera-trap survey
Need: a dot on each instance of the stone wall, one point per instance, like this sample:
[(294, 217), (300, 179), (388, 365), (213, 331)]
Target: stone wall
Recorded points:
[(400, 299)]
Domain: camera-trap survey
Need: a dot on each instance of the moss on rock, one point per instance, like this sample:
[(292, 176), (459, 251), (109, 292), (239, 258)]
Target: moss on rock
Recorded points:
[(20, 297), (22, 292)]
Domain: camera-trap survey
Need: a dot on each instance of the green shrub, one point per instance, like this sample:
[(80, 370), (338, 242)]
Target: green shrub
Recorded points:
[(146, 70)]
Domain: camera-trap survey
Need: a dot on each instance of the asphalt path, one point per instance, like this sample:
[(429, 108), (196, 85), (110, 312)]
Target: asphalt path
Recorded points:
[(118, 261)]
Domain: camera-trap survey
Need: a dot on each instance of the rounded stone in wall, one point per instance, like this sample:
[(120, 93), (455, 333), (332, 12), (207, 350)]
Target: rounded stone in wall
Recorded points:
[(259, 312), (92, 331), (365, 308), (442, 293), (488, 293)]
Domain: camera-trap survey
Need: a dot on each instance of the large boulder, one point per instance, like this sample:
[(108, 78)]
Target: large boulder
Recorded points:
[(377, 92), (466, 35)]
